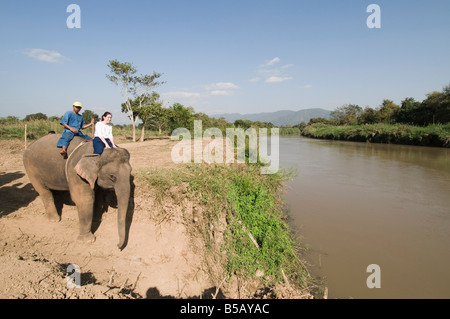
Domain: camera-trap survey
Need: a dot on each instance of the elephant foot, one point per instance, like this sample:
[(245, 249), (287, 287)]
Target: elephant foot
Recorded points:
[(54, 218), (88, 238)]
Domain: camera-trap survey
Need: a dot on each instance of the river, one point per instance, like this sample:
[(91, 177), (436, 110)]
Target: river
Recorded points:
[(360, 204)]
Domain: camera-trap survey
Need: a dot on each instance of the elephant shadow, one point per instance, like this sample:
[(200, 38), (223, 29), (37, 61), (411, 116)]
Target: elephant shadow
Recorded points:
[(210, 293), (16, 196)]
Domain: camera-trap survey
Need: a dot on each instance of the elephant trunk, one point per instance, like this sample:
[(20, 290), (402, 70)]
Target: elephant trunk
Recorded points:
[(122, 191)]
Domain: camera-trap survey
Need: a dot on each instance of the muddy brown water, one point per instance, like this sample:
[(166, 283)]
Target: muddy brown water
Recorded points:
[(358, 204)]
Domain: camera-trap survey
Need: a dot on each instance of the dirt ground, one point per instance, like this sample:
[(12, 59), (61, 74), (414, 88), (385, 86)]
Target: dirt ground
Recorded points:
[(159, 260)]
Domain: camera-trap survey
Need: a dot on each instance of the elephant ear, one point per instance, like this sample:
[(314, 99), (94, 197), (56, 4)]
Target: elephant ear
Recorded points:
[(87, 167)]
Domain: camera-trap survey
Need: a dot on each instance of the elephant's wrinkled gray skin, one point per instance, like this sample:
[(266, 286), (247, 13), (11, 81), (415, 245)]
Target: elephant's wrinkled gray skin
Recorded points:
[(46, 170)]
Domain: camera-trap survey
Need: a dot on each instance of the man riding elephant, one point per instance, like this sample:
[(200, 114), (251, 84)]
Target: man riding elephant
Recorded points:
[(73, 123)]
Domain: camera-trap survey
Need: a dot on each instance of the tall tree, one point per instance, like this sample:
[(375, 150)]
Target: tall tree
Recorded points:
[(122, 75), (408, 112), (88, 115), (147, 99), (145, 84), (149, 110), (387, 111), (134, 108), (160, 117), (436, 107), (35, 116), (347, 113), (132, 86), (368, 116), (181, 116), (444, 110)]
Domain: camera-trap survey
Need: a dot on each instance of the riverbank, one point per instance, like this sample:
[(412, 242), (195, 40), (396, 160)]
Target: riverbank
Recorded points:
[(433, 135), (240, 216)]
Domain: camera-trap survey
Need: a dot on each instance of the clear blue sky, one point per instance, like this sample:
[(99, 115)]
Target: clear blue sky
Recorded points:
[(223, 56)]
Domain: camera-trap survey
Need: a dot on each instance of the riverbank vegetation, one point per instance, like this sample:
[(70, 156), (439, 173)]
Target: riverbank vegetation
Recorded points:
[(432, 135), (239, 213), (425, 123)]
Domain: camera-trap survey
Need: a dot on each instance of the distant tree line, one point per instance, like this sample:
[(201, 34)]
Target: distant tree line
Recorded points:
[(432, 110), (166, 119), (153, 117)]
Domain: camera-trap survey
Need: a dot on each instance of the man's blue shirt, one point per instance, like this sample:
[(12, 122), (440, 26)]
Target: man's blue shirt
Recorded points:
[(73, 120)]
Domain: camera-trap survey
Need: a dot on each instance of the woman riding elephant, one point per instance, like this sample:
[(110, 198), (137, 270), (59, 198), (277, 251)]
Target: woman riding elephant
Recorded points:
[(103, 137)]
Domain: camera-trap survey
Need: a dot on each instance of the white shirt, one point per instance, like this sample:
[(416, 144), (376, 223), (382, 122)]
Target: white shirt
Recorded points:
[(103, 130)]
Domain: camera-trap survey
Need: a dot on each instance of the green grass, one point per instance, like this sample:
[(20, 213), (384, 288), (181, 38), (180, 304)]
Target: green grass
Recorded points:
[(432, 135), (251, 204), (35, 129), (254, 203), (289, 131)]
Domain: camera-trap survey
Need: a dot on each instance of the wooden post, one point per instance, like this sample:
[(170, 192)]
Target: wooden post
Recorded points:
[(25, 136)]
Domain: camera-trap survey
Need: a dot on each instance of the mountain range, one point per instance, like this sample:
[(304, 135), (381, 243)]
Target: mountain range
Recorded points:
[(277, 118)]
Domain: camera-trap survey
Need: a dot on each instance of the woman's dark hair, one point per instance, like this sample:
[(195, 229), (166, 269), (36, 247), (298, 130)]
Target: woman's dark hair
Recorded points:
[(105, 115)]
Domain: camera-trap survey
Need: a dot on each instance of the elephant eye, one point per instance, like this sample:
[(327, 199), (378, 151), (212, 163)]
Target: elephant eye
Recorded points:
[(112, 178)]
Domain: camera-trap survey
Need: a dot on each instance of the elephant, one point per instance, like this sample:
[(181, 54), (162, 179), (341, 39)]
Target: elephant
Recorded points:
[(81, 173)]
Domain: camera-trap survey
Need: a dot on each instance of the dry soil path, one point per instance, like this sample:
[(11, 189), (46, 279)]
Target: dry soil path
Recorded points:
[(159, 260)]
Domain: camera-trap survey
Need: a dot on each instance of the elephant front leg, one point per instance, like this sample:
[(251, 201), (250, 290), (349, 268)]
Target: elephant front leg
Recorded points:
[(85, 206)]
